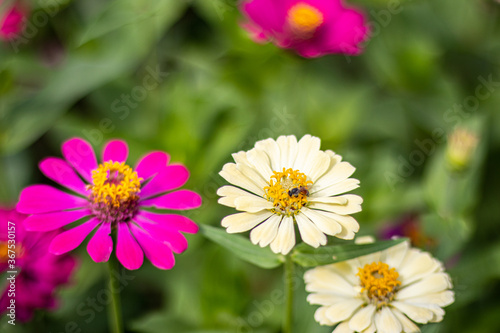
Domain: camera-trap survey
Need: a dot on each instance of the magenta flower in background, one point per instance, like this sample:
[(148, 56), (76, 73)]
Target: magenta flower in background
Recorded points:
[(11, 21), (40, 273), (311, 27), (113, 197)]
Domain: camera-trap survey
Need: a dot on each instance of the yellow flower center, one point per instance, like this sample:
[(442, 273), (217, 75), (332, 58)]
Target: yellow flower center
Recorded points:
[(379, 282), (114, 184), (5, 254), (304, 19), (288, 190)]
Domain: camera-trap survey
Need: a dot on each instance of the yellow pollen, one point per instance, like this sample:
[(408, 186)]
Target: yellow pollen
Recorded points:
[(114, 183), (288, 190), (379, 281), (5, 255), (304, 20)]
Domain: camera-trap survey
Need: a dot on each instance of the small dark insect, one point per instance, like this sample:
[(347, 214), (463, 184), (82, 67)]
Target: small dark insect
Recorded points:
[(294, 192)]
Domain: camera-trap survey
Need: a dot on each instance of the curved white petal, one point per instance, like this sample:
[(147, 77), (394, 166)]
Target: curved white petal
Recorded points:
[(271, 148), (340, 171), (307, 146), (252, 204), (362, 319), (408, 325), (288, 151), (342, 311), (242, 222), (322, 220), (309, 232), (352, 205), (266, 232), (234, 176), (386, 322), (430, 284), (285, 239), (342, 328), (338, 188)]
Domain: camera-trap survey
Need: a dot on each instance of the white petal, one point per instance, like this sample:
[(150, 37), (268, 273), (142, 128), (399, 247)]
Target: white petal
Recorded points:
[(288, 149), (362, 319), (337, 200), (285, 239), (353, 205), (326, 279), (341, 171), (260, 161), (321, 318), (342, 311), (271, 148), (417, 264), (265, 233), (443, 298), (416, 313), (231, 193), (242, 222), (308, 145), (254, 175), (234, 176), (342, 328), (430, 284), (408, 325), (371, 329), (339, 188), (322, 220), (386, 322), (317, 166), (309, 232), (394, 255), (252, 204), (326, 298)]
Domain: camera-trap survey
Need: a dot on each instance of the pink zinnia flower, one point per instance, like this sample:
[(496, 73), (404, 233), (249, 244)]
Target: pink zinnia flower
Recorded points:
[(39, 272), (311, 27), (11, 22), (116, 198)]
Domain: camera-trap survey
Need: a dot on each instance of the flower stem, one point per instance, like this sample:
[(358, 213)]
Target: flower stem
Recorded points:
[(115, 310), (288, 319)]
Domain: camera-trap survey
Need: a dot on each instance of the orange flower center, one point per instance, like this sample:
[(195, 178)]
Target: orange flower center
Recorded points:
[(304, 19), (6, 255), (379, 281)]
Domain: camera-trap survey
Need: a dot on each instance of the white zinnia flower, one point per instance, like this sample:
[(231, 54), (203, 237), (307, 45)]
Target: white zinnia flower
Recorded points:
[(384, 292), (283, 182)]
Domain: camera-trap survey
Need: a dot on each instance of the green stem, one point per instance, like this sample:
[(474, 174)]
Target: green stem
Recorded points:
[(115, 310), (288, 319)]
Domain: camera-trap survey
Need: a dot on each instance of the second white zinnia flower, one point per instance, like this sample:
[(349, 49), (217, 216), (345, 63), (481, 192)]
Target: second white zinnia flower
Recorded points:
[(282, 182)]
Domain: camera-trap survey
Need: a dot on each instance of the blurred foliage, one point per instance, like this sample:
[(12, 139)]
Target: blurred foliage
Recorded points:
[(183, 77)]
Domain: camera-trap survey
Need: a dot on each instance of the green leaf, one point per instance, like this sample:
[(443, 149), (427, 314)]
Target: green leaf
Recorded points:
[(306, 256), (243, 248)]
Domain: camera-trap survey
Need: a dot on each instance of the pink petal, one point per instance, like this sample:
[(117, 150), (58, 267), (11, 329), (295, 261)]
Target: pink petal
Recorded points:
[(158, 253), (116, 151), (172, 221), (101, 244), (71, 239), (174, 239), (171, 177), (346, 33), (269, 15), (44, 198), (61, 172), (52, 221), (330, 9), (80, 154), (182, 199), (151, 164), (128, 252)]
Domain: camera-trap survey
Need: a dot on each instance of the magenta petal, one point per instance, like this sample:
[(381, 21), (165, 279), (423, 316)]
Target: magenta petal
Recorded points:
[(101, 244), (171, 177), (158, 253), (151, 164), (81, 156), (172, 221), (116, 151), (44, 198), (52, 221), (72, 238), (61, 172), (128, 252), (174, 239), (346, 33), (269, 15), (182, 199)]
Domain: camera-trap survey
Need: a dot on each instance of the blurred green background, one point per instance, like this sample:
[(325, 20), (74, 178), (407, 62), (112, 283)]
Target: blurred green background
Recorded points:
[(183, 77)]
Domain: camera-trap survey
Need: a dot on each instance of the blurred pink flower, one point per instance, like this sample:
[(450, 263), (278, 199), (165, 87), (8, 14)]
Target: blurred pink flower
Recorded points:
[(116, 198), (311, 27), (41, 273), (11, 21)]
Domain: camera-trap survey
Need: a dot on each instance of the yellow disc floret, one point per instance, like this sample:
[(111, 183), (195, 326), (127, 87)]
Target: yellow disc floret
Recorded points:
[(304, 20), (379, 282), (288, 190), (114, 183)]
